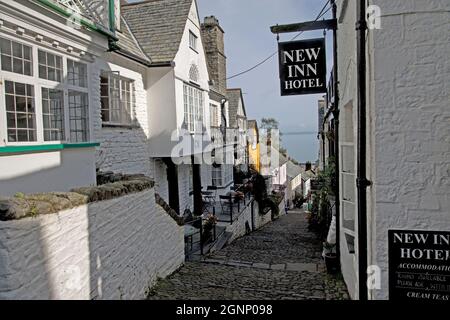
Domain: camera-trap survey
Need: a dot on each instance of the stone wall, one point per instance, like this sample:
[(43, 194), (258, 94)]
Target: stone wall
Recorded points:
[(409, 123), (113, 249), (117, 143), (239, 229)]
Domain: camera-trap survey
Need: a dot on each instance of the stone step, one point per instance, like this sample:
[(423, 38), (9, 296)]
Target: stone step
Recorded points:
[(221, 242)]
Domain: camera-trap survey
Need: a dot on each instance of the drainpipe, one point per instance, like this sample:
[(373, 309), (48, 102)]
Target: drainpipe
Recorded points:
[(361, 181), (112, 16), (336, 133)]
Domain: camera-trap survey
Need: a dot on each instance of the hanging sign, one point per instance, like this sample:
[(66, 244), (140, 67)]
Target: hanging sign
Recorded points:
[(419, 265), (303, 68)]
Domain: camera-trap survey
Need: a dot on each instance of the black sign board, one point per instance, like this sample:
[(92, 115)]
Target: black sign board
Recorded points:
[(303, 67), (419, 265)]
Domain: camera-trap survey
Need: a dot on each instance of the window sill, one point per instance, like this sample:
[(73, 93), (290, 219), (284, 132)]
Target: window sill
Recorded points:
[(46, 147)]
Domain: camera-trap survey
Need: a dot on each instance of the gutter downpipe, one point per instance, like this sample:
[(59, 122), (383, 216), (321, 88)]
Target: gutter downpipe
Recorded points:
[(361, 182), (336, 135)]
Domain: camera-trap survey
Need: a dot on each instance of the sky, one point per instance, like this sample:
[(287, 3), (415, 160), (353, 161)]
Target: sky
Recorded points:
[(248, 41)]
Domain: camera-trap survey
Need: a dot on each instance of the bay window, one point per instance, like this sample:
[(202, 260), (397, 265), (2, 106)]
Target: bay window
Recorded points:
[(193, 108), (117, 99), (45, 103)]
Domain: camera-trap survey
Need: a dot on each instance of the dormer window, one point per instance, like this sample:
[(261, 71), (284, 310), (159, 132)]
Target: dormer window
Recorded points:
[(193, 41)]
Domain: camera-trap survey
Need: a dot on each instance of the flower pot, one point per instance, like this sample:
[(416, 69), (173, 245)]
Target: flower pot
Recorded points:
[(332, 263)]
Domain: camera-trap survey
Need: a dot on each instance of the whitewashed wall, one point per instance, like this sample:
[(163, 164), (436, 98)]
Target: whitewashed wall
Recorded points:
[(122, 149), (61, 170), (111, 249), (348, 96), (184, 187), (238, 228), (409, 123)]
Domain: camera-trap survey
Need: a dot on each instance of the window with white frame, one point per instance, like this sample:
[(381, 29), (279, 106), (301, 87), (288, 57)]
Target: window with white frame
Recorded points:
[(47, 104), (193, 108), (20, 112), (214, 115), (16, 57), (193, 40), (217, 176), (76, 73), (53, 114), (50, 66), (78, 116), (117, 99), (347, 170)]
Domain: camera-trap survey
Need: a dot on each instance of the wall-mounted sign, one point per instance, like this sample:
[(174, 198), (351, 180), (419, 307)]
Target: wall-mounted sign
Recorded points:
[(303, 68), (419, 265)]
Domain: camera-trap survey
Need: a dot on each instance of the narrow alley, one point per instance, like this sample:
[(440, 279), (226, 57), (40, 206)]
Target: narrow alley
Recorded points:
[(280, 261)]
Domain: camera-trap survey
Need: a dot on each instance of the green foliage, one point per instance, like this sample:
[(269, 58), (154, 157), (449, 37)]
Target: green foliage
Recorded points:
[(19, 195), (321, 212)]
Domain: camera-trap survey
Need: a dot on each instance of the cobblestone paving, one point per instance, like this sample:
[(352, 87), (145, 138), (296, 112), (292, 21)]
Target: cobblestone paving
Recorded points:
[(280, 261)]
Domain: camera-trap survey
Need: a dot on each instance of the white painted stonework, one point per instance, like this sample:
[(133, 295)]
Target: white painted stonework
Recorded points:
[(408, 125), (122, 149), (61, 170), (113, 249), (238, 227)]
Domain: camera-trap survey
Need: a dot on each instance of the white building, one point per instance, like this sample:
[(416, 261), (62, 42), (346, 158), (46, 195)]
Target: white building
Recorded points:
[(220, 174), (407, 129), (238, 128), (49, 51), (177, 85)]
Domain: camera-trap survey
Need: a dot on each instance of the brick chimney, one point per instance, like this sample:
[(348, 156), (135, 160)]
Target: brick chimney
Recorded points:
[(213, 42)]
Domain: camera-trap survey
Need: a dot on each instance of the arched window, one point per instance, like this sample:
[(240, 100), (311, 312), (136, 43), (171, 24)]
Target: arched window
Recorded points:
[(193, 73)]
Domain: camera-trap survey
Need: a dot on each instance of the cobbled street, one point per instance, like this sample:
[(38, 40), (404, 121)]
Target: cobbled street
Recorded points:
[(281, 261)]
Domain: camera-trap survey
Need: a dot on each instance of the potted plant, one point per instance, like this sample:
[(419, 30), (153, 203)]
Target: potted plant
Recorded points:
[(330, 256), (208, 225)]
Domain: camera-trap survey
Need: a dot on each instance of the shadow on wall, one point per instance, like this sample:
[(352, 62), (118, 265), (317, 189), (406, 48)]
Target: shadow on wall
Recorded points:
[(15, 250)]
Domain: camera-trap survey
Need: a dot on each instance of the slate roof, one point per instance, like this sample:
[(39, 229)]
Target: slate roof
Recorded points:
[(233, 96), (308, 175), (127, 42), (293, 170), (158, 26)]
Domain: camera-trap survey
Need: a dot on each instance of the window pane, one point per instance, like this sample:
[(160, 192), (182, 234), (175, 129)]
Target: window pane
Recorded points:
[(17, 50), (21, 112), (21, 104), (27, 68), (12, 135), (42, 58), (9, 87), (6, 63), (10, 105), (27, 53), (77, 73), (11, 119), (78, 116), (19, 89), (13, 56), (50, 60), (5, 46), (50, 66), (42, 72), (22, 135), (53, 114), (17, 66)]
